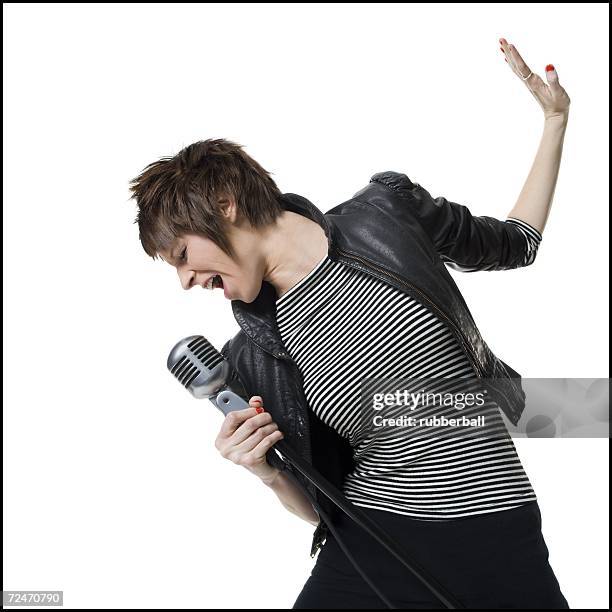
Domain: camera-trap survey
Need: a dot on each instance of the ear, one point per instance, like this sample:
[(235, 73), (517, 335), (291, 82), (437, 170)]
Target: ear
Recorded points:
[(228, 208)]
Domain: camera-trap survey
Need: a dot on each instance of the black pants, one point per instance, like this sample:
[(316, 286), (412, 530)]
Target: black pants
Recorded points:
[(496, 560)]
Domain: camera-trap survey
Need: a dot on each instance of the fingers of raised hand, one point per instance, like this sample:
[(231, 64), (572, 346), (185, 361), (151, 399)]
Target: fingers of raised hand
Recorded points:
[(538, 88), (518, 64)]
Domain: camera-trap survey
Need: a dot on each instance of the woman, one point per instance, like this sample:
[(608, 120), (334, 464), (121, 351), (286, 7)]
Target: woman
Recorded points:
[(463, 506)]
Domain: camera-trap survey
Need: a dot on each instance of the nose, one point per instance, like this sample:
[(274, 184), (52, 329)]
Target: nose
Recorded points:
[(186, 277)]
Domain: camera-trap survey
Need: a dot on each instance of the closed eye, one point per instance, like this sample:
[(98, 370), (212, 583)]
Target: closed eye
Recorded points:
[(183, 254)]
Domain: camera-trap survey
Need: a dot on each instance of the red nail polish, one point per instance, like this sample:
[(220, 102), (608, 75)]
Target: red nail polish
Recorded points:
[(549, 67), (259, 409)]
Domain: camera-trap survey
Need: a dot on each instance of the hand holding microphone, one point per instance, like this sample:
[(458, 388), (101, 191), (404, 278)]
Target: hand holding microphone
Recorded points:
[(246, 436), (246, 433)]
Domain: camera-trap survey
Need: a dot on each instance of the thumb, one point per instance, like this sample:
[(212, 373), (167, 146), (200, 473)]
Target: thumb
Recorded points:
[(552, 77)]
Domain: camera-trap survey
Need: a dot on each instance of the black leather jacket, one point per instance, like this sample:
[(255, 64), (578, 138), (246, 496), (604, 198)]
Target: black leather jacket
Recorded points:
[(395, 230)]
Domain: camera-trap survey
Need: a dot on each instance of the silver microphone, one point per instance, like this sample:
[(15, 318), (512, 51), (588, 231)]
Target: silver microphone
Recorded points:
[(203, 371)]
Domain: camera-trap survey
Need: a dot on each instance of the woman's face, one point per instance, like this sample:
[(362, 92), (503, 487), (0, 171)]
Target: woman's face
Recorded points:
[(197, 259)]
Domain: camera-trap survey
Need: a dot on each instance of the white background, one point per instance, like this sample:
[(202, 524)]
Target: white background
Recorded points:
[(113, 489)]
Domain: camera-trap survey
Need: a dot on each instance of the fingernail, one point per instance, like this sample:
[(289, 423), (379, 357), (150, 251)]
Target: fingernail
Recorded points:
[(549, 67), (259, 409)]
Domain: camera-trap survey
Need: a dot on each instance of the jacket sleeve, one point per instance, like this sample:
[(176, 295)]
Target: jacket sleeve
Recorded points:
[(464, 242)]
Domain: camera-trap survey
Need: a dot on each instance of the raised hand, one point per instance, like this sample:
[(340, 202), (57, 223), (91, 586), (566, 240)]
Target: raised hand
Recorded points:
[(551, 97)]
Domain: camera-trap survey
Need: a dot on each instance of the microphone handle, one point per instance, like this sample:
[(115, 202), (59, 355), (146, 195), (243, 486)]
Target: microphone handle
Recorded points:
[(228, 401)]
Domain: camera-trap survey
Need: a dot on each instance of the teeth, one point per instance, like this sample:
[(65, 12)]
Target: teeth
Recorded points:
[(209, 284)]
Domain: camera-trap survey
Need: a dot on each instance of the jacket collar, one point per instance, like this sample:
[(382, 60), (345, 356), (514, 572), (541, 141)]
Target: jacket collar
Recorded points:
[(258, 318)]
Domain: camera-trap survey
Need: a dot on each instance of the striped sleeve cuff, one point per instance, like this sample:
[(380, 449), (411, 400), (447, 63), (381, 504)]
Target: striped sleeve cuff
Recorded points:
[(532, 237), (528, 228)]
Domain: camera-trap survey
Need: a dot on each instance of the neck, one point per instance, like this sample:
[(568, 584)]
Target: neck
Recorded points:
[(294, 246)]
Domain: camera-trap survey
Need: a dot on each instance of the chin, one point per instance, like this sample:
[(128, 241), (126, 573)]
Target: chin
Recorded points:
[(252, 295)]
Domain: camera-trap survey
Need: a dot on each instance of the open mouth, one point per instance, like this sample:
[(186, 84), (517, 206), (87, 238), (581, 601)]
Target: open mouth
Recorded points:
[(214, 282)]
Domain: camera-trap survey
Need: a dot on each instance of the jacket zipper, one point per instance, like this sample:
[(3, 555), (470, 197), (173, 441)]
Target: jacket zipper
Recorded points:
[(474, 361)]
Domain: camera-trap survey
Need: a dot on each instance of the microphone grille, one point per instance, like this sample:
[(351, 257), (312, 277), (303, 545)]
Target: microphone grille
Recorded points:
[(205, 352), (190, 357)]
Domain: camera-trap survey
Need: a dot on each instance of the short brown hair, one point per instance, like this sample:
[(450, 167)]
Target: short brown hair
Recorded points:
[(179, 194)]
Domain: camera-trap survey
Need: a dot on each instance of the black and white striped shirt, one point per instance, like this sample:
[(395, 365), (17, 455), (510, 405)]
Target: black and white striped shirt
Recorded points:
[(338, 324)]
